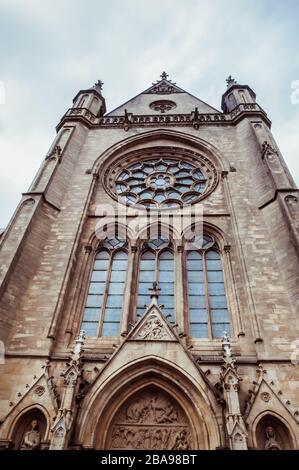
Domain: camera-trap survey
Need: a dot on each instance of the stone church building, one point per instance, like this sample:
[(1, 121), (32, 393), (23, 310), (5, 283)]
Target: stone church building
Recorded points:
[(150, 281)]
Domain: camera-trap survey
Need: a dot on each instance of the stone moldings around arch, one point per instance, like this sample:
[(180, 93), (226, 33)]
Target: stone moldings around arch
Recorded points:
[(166, 138), (267, 402), (193, 424), (140, 363), (101, 404), (271, 433), (150, 419)]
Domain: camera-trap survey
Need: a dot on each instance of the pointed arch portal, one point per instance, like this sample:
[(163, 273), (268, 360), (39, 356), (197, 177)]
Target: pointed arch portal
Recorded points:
[(153, 406), (150, 419)]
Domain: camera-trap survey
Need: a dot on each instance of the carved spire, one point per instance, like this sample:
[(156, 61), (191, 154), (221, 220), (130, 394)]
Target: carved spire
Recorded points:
[(230, 380), (72, 378)]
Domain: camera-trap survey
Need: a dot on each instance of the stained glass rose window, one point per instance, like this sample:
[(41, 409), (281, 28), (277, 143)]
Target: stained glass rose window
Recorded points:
[(162, 178)]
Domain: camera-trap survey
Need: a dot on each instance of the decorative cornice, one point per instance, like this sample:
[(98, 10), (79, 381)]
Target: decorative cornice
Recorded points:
[(194, 118)]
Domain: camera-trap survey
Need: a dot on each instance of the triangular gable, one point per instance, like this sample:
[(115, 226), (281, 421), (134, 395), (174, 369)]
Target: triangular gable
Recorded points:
[(145, 332), (163, 87), (152, 327), (266, 398), (40, 393), (185, 102)]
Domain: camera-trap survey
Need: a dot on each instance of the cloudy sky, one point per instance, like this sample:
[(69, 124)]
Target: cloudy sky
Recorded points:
[(52, 48)]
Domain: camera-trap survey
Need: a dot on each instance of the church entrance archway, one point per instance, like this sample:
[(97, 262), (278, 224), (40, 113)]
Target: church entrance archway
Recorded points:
[(150, 419)]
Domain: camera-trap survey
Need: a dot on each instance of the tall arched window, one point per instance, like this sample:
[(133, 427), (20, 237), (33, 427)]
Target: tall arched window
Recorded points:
[(83, 101), (103, 307), (208, 313), (156, 265)]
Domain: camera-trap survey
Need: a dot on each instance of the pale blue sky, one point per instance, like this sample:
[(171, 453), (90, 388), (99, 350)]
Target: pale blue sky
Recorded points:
[(51, 49)]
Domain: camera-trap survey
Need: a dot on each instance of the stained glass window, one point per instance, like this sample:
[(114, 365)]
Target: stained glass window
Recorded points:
[(156, 265), (208, 313), (103, 306), (161, 180)]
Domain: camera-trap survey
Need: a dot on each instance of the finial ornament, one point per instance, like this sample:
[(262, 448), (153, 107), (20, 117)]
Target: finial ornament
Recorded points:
[(226, 346), (230, 81), (164, 76), (79, 342), (99, 84)]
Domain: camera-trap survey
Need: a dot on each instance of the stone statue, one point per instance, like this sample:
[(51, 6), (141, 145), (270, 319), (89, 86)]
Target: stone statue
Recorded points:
[(271, 442), (32, 438)]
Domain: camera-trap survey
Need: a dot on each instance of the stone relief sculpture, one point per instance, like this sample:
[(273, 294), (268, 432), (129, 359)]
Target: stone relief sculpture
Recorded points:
[(153, 329), (271, 440), (151, 420), (32, 437)]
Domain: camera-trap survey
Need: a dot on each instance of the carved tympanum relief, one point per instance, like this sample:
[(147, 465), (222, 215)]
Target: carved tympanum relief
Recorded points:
[(153, 329), (150, 420)]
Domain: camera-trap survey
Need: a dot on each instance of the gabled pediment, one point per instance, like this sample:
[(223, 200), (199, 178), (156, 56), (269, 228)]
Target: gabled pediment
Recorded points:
[(267, 398), (164, 91), (153, 343), (40, 394), (163, 87), (152, 327), (42, 391), (236, 426)]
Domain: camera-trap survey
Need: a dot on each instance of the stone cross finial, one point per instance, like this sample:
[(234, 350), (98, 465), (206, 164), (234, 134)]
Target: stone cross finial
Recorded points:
[(164, 76), (99, 84), (154, 290), (230, 81)]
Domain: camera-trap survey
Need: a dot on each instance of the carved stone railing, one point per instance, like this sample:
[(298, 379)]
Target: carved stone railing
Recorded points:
[(194, 119)]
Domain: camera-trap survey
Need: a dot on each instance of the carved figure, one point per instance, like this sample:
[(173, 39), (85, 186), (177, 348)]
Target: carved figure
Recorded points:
[(181, 441), (32, 437), (271, 441)]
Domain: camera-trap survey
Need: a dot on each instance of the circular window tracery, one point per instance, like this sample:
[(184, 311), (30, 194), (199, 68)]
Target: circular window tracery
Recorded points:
[(162, 105), (163, 177)]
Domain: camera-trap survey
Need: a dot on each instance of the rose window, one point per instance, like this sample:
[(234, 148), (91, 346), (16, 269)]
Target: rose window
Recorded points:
[(162, 105), (162, 177)]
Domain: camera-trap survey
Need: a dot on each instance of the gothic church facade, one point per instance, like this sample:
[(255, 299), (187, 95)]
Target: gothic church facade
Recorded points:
[(124, 327)]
